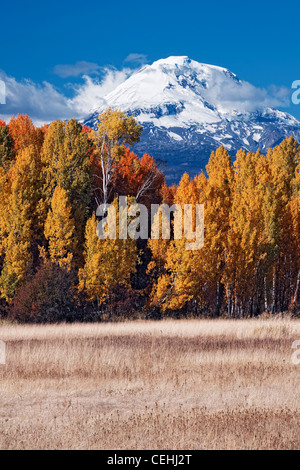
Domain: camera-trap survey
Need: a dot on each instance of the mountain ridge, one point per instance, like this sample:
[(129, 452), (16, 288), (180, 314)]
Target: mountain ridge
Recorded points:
[(188, 109)]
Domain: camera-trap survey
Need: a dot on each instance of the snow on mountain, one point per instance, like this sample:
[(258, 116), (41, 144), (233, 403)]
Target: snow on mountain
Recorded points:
[(188, 109)]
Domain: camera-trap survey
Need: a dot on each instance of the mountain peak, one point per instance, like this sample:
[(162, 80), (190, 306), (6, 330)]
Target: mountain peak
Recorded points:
[(175, 91), (187, 109), (185, 61), (173, 60)]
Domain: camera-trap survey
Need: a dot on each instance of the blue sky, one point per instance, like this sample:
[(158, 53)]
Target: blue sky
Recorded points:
[(48, 46)]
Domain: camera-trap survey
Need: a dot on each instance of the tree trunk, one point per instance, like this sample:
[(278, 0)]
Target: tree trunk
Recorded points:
[(296, 290), (274, 290), (265, 294)]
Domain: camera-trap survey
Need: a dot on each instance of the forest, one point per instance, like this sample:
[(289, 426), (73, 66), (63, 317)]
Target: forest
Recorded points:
[(53, 266)]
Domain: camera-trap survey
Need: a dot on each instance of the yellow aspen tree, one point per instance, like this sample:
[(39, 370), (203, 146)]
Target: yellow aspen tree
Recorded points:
[(199, 275), (19, 219), (218, 201), (65, 156), (109, 263), (60, 230), (115, 130), (283, 162), (292, 242), (247, 240), (90, 281), (292, 253), (5, 194), (181, 281)]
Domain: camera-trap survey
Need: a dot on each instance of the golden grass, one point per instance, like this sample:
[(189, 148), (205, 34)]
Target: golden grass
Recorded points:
[(187, 384)]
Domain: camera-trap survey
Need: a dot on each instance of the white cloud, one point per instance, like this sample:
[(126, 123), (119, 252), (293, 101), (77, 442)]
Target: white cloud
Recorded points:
[(244, 97), (41, 101), (44, 103), (135, 58), (90, 96), (74, 70)]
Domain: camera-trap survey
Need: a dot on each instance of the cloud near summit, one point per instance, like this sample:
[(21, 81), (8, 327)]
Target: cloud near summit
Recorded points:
[(44, 102), (75, 70), (135, 58)]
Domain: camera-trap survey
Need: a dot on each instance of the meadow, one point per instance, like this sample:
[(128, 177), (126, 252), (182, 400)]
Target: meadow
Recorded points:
[(170, 384)]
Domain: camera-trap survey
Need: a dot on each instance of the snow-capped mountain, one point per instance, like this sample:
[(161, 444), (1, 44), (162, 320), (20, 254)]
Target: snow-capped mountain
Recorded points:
[(188, 109)]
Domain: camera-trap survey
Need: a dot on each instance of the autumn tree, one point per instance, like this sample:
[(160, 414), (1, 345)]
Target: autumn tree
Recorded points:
[(284, 169), (19, 219), (218, 202), (52, 179), (66, 159), (180, 274), (109, 262), (60, 230), (24, 133), (247, 238), (6, 147), (282, 163), (294, 239), (115, 130), (139, 178)]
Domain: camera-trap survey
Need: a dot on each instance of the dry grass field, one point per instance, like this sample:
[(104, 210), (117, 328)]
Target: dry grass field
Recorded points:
[(186, 384)]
